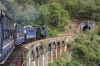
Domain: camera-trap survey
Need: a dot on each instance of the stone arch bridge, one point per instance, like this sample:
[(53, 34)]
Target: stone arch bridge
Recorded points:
[(43, 52)]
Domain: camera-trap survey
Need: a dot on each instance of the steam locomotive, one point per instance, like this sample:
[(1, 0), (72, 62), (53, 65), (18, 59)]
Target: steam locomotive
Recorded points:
[(12, 34)]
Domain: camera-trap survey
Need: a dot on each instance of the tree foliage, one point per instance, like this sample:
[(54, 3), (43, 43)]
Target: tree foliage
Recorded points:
[(54, 16)]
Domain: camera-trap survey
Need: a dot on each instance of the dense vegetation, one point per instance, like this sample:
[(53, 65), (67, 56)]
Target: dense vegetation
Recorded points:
[(86, 50), (53, 14)]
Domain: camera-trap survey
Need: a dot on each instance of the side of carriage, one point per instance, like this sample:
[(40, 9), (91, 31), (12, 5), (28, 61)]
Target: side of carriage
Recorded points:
[(6, 36)]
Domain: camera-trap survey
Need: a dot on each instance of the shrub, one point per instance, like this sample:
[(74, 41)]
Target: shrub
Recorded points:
[(53, 64), (79, 40), (51, 32), (76, 63), (80, 50)]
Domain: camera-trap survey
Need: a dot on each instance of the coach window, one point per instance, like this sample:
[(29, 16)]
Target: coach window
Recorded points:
[(9, 28), (12, 29), (10, 25), (21, 31), (22, 34), (10, 33), (6, 30)]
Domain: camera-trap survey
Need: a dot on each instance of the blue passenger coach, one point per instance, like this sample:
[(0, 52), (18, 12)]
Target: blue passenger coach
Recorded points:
[(19, 34), (30, 33), (6, 35)]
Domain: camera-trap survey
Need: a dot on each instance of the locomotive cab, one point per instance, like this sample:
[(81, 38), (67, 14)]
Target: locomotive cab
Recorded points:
[(43, 32), (40, 32)]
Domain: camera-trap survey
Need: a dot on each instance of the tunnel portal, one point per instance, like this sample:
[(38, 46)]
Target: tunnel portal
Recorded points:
[(86, 27)]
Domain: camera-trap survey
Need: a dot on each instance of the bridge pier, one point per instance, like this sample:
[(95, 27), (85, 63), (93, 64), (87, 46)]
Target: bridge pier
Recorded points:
[(37, 62), (46, 59), (40, 55), (41, 60), (54, 51)]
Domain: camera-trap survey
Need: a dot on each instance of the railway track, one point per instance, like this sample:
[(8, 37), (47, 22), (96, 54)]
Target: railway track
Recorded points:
[(16, 57)]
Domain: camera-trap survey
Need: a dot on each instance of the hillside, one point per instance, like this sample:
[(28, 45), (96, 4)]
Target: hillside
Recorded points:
[(71, 29), (55, 15)]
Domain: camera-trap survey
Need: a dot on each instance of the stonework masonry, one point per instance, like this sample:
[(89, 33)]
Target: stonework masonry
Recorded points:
[(44, 52)]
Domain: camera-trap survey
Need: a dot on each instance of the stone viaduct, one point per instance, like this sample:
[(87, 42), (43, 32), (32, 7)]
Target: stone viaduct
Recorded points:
[(43, 52)]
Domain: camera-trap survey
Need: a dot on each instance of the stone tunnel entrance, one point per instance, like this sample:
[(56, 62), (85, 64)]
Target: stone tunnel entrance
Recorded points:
[(86, 27)]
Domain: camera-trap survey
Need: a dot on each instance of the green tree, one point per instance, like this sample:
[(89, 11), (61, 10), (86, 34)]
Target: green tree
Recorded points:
[(54, 16)]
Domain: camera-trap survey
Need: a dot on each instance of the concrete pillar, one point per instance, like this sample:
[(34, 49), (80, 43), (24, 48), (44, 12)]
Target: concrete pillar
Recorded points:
[(65, 49), (61, 49), (56, 53), (40, 60), (51, 56), (32, 63), (36, 62), (43, 59), (46, 59), (29, 61)]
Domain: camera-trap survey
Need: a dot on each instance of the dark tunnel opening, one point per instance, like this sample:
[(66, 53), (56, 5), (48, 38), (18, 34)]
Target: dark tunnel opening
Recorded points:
[(86, 27)]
